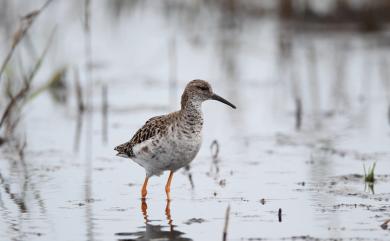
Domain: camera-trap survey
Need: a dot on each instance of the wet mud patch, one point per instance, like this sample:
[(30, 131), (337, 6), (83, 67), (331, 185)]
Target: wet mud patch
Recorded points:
[(351, 185), (352, 195), (311, 238), (194, 221), (80, 203)]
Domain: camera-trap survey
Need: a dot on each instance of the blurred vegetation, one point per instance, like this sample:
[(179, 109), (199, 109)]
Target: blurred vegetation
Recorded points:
[(369, 176), (368, 14), (18, 87), (365, 15), (326, 15)]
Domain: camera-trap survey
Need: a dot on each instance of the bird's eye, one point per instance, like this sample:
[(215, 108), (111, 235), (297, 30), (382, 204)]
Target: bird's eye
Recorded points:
[(202, 87)]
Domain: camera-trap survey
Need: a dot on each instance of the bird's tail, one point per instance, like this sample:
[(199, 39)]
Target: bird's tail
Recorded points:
[(122, 150)]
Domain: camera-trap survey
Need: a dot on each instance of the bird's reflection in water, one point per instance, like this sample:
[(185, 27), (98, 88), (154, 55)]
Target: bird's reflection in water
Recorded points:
[(155, 232)]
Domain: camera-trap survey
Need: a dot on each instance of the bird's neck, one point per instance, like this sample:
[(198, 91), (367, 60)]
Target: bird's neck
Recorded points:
[(192, 108), (190, 104), (191, 112)]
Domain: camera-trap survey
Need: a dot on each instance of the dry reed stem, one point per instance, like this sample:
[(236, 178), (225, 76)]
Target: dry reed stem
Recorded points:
[(214, 148), (22, 92), (105, 113), (280, 215), (89, 89), (80, 110), (39, 62), (27, 83), (298, 113), (225, 228), (79, 93)]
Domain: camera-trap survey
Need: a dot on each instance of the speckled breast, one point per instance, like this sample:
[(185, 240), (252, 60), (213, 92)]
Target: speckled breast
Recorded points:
[(183, 145)]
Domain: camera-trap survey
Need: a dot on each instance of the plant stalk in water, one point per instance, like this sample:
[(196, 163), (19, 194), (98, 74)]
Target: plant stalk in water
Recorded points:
[(369, 176)]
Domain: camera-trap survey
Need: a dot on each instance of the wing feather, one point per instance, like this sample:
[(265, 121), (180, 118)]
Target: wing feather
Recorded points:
[(152, 127)]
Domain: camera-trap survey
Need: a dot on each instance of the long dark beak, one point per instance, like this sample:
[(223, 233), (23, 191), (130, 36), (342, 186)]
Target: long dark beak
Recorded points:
[(219, 98)]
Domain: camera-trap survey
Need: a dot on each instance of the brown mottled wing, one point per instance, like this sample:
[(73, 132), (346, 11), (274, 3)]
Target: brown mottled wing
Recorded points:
[(152, 127)]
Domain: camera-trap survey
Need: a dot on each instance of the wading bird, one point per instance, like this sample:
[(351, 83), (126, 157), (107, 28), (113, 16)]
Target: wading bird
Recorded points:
[(169, 142)]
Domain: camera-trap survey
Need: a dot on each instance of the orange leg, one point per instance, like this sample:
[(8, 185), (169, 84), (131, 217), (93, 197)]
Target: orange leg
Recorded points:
[(168, 214), (144, 210), (144, 191), (168, 186)]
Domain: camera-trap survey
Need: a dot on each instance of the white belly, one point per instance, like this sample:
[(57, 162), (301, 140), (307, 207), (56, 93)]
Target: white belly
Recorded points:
[(169, 152)]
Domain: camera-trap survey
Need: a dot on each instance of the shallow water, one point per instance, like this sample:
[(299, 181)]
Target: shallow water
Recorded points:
[(312, 175)]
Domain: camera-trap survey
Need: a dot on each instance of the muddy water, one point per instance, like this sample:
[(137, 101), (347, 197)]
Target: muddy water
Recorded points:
[(264, 165)]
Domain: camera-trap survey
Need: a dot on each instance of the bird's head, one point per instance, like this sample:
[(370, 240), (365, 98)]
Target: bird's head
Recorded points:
[(199, 91)]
